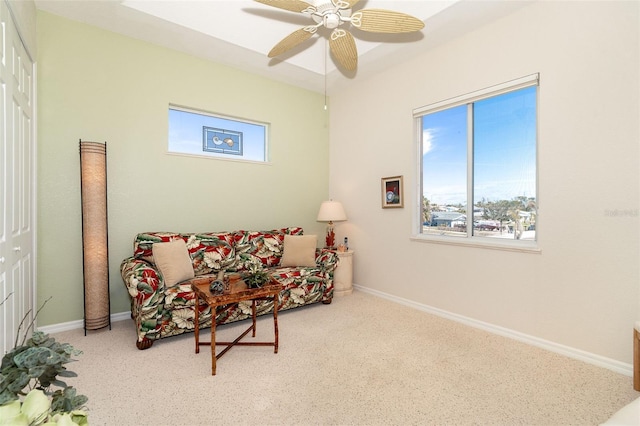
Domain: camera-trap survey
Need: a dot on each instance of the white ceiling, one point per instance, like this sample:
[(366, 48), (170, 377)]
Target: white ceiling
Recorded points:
[(241, 33)]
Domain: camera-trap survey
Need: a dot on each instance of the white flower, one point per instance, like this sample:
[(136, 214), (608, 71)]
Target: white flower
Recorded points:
[(62, 420), (73, 418), (34, 410), (272, 244), (183, 318), (297, 294), (148, 315), (36, 406), (212, 259), (168, 298), (192, 242), (254, 268), (245, 307), (133, 286), (10, 414)]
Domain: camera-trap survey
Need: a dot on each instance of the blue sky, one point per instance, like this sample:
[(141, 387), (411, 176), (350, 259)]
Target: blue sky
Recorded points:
[(504, 150)]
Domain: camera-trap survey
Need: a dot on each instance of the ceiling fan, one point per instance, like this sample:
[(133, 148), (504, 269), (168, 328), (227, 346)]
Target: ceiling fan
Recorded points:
[(332, 14)]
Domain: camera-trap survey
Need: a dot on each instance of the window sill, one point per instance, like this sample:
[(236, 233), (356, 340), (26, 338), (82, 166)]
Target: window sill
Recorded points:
[(212, 157), (485, 243)]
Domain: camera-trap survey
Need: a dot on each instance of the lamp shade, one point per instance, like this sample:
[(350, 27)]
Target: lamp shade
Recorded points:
[(331, 211), (95, 252)]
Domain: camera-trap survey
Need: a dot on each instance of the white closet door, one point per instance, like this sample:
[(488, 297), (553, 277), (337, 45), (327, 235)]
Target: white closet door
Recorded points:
[(17, 183)]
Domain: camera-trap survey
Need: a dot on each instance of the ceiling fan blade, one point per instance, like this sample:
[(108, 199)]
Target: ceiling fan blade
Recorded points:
[(343, 48), (291, 41), (292, 5), (385, 21)]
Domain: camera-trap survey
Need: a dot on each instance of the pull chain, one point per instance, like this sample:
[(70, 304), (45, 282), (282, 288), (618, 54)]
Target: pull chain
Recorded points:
[(326, 53)]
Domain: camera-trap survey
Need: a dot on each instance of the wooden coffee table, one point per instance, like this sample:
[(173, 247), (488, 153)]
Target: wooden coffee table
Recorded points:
[(236, 292)]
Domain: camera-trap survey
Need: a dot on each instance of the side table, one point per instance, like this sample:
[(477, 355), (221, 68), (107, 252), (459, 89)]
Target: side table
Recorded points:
[(237, 292), (343, 274)]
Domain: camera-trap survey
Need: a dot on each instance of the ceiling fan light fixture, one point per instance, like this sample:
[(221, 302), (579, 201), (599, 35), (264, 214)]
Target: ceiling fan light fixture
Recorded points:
[(332, 20), (329, 14), (333, 13)]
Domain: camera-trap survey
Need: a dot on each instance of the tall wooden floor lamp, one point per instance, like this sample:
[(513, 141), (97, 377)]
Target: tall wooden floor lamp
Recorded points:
[(95, 252)]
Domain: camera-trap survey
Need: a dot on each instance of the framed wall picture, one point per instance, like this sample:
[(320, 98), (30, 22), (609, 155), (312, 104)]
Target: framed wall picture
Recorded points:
[(392, 192)]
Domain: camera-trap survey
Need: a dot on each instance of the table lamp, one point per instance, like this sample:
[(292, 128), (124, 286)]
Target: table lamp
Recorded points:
[(331, 211)]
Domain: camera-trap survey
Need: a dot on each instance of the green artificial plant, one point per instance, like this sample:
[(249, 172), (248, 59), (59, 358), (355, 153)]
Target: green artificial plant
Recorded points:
[(30, 371), (256, 276)]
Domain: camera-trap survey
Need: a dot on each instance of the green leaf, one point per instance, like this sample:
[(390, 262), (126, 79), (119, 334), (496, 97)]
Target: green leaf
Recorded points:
[(79, 400), (33, 357), (7, 396), (17, 381), (7, 360), (37, 371), (59, 383), (39, 337), (66, 400), (145, 288)]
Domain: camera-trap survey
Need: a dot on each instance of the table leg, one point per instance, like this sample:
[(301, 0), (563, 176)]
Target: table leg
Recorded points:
[(213, 344), (197, 324), (253, 316), (275, 323)]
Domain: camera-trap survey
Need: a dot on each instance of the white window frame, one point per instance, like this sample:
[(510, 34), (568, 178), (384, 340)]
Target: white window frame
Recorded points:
[(218, 155), (470, 240)]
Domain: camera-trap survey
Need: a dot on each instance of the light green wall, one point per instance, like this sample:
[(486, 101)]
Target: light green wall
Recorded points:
[(99, 86)]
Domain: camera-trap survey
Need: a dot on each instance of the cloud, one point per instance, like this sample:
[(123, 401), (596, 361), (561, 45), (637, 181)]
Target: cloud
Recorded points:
[(427, 138)]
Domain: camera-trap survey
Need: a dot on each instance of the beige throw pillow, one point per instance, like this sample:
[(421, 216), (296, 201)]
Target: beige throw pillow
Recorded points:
[(173, 260), (299, 250)]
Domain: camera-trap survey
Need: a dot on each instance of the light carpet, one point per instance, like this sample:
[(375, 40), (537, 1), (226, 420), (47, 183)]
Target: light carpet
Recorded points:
[(361, 360)]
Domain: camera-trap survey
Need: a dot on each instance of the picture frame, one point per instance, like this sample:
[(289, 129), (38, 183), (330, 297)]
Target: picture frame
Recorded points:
[(392, 192)]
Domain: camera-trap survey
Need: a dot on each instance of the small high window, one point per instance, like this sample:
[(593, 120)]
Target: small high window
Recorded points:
[(210, 135)]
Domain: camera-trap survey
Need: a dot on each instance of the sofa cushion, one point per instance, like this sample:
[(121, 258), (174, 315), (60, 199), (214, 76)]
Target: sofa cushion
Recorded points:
[(263, 247), (143, 243), (211, 252), (299, 250), (172, 258)]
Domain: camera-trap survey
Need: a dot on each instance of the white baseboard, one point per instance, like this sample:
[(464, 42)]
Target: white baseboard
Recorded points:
[(74, 325), (600, 361)]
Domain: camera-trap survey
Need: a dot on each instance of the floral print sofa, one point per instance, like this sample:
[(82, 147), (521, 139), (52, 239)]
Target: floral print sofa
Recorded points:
[(161, 311)]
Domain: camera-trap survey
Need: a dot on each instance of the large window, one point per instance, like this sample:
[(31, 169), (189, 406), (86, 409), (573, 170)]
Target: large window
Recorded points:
[(478, 165), (211, 135)]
